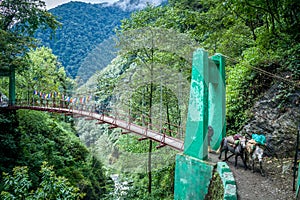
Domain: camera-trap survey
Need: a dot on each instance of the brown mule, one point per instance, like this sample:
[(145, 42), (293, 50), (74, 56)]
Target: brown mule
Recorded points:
[(235, 147)]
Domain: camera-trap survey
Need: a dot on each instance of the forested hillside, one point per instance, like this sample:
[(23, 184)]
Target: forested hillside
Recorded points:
[(149, 79), (30, 139), (41, 156), (261, 47), (83, 27)]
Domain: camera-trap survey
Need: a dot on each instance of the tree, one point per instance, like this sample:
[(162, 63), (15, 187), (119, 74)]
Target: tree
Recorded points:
[(20, 16), (42, 73), (39, 136), (19, 19), (156, 58), (272, 17), (19, 186)]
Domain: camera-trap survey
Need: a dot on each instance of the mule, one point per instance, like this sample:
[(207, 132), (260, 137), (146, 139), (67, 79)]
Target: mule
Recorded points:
[(255, 154), (236, 149)]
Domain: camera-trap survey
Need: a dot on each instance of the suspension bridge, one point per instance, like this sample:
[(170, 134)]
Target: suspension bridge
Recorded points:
[(206, 107), (89, 112)]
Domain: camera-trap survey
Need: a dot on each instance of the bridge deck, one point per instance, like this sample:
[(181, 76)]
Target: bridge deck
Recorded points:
[(163, 139)]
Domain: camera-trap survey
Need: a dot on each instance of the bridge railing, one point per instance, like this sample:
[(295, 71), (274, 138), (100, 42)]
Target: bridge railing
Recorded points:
[(142, 119), (147, 130)]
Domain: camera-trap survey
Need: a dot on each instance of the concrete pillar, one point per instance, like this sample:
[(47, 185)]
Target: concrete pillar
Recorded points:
[(216, 99), (195, 143), (206, 107)]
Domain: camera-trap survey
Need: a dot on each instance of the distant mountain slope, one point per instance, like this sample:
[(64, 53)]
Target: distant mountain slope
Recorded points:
[(82, 43), (84, 26), (97, 59)]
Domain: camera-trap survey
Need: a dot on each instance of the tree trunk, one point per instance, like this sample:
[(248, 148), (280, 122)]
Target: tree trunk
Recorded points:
[(150, 122), (149, 167), (168, 118)]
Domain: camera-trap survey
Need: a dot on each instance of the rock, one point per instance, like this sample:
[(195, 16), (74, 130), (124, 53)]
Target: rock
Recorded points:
[(275, 114)]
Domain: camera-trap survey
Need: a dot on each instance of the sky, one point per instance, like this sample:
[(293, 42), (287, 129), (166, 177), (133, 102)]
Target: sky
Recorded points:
[(53, 3)]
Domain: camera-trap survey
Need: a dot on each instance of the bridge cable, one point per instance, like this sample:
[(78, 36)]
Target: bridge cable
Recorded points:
[(160, 106), (263, 71)]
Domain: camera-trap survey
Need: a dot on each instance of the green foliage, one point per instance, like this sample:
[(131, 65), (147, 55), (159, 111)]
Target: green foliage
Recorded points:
[(193, 5), (19, 185), (236, 100), (153, 70), (10, 138), (129, 143), (291, 61), (40, 137), (234, 40), (162, 185), (11, 49), (216, 188), (97, 184), (273, 18), (25, 17), (96, 60), (18, 21), (245, 84), (111, 83), (43, 73)]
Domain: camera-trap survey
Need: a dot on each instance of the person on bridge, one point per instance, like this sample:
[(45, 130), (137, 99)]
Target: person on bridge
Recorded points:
[(210, 133)]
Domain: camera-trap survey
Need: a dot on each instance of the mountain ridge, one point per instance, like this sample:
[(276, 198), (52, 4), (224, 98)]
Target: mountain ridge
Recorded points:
[(85, 26)]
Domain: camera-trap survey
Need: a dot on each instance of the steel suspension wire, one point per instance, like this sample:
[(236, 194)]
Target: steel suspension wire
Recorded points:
[(146, 116), (264, 71), (180, 102), (160, 106)]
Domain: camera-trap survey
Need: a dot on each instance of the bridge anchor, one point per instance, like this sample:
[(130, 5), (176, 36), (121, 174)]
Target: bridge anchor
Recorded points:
[(206, 107)]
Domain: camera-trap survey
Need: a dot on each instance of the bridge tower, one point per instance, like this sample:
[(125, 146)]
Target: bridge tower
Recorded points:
[(10, 72), (193, 170)]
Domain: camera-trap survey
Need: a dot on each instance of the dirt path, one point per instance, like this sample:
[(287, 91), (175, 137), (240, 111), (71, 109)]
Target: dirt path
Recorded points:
[(276, 185)]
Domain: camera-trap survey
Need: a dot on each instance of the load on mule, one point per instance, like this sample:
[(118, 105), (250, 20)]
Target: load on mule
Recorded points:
[(254, 152), (236, 145)]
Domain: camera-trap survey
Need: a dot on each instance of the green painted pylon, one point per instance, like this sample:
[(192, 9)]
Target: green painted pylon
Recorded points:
[(216, 99), (195, 143), (206, 107)]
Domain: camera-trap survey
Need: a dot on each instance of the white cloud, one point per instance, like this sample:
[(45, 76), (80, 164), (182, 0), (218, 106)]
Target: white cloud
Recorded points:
[(137, 5), (53, 3)]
